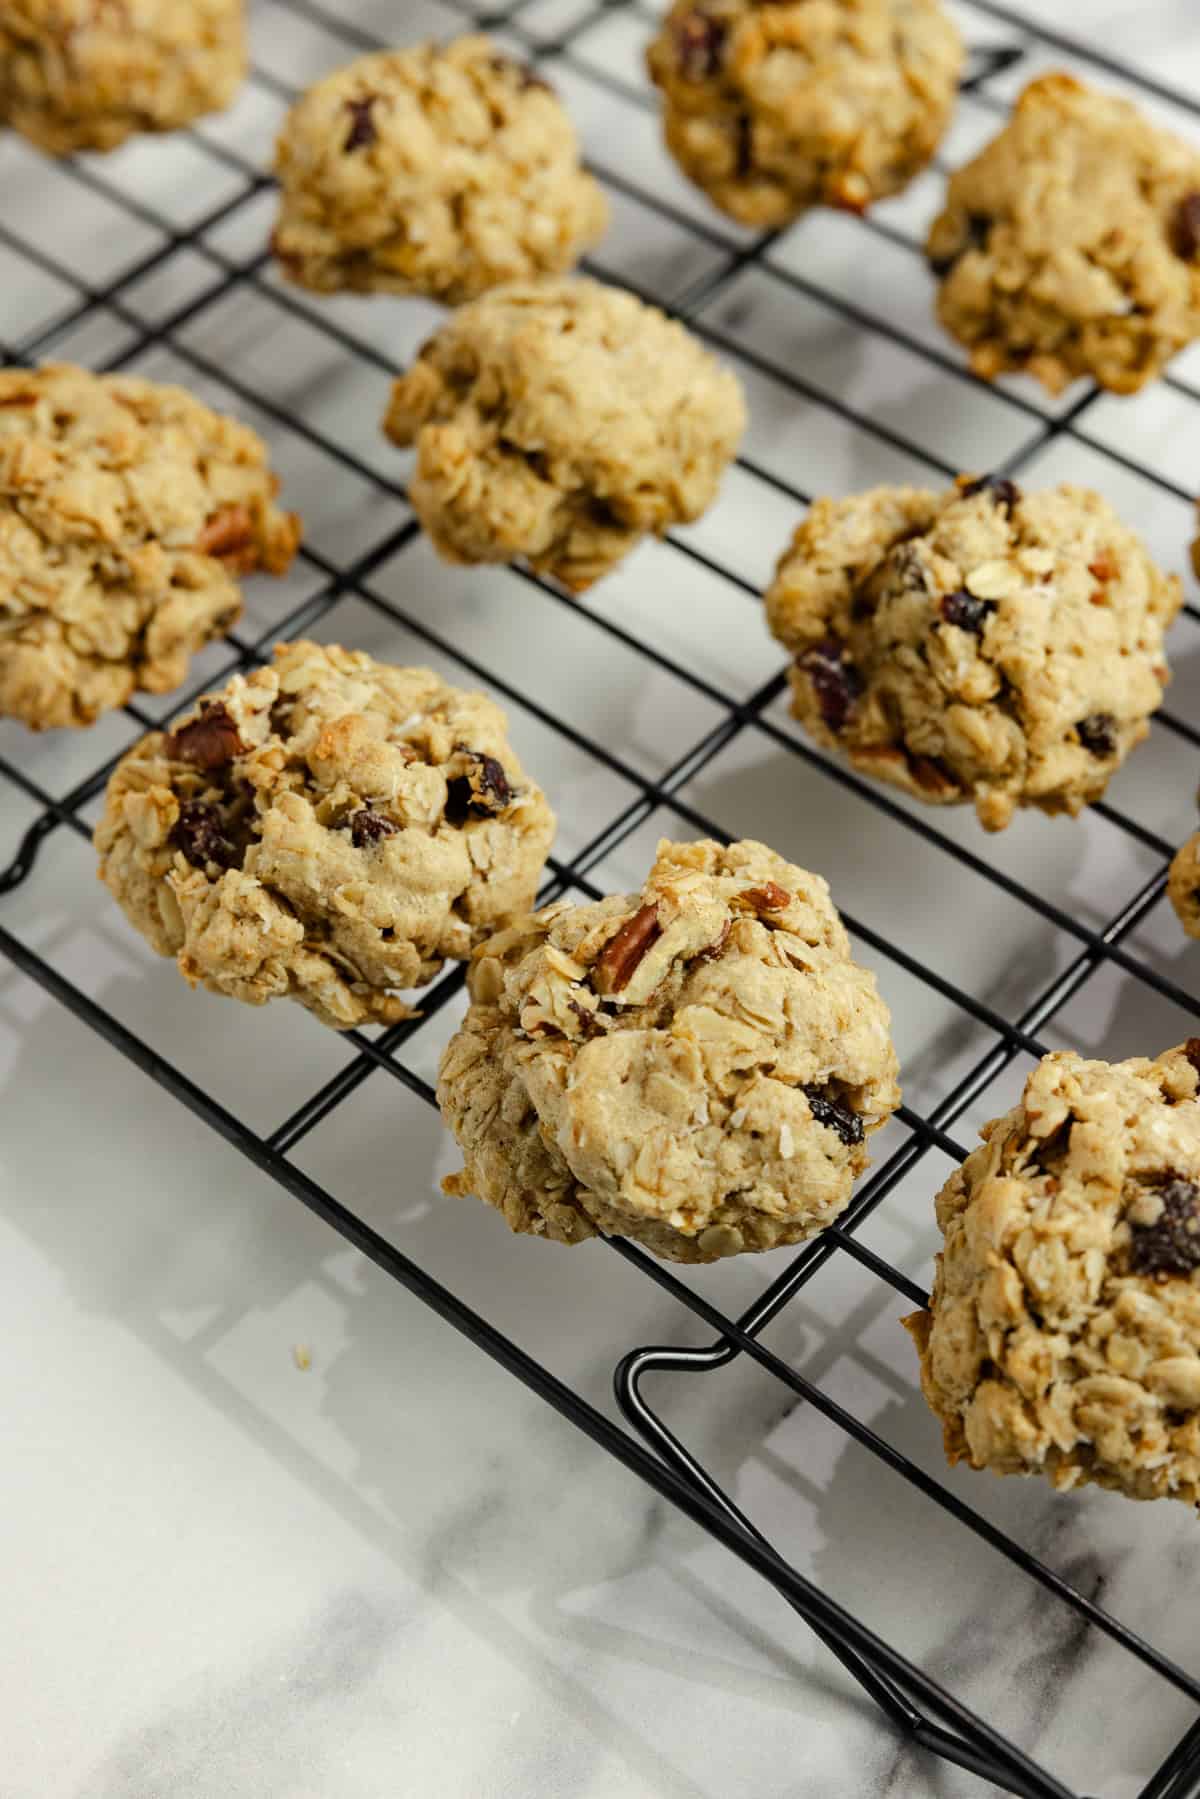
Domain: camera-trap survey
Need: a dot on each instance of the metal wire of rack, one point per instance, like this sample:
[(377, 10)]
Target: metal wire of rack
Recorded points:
[(917, 1705)]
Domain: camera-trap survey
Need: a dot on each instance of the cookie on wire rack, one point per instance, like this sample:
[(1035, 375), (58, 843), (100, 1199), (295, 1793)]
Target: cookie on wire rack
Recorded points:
[(88, 74), (328, 829), (439, 170), (562, 422), (126, 510), (698, 1066), (982, 645), (773, 106), (1071, 244), (1063, 1331)]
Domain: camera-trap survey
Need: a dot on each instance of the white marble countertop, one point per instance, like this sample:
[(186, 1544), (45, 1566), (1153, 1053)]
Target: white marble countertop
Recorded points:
[(395, 1572)]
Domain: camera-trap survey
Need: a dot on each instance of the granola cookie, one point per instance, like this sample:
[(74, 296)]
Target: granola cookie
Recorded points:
[(1071, 244), (1063, 1335), (441, 171), (328, 830), (87, 74), (772, 108), (1183, 885), (126, 509), (981, 644), (562, 422), (698, 1065)]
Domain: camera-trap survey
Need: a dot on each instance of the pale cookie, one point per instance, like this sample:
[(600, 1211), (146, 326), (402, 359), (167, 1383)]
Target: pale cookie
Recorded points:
[(437, 171), (1071, 244), (126, 509), (562, 422), (87, 74), (697, 1066), (775, 107), (981, 644), (328, 830), (1183, 885), (1063, 1335)]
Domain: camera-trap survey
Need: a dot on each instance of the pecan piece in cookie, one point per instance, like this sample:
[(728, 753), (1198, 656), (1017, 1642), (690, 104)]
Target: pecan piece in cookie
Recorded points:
[(621, 955)]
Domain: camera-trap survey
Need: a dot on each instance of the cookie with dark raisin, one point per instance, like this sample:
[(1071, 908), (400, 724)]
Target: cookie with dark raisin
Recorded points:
[(698, 1066), (440, 170), (1063, 1332), (984, 645), (1183, 885), (329, 829), (1070, 245), (773, 106)]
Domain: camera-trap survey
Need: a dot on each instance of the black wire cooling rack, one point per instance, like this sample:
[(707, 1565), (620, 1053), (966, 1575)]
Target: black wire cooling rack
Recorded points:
[(1001, 40)]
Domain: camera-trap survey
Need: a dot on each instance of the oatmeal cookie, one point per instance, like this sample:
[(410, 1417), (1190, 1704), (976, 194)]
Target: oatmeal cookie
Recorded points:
[(328, 830), (1063, 1335), (126, 509), (87, 74), (697, 1066), (441, 171), (981, 644), (772, 108), (1183, 885), (1071, 244), (562, 422)]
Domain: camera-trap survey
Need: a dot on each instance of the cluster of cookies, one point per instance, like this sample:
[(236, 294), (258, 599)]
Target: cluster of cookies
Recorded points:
[(698, 1065)]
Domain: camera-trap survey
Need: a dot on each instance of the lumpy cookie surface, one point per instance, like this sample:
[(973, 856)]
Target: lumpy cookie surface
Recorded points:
[(562, 422), (328, 829), (87, 74), (436, 171), (772, 108), (982, 645), (1183, 885), (1071, 244), (1063, 1336), (126, 510), (698, 1066)]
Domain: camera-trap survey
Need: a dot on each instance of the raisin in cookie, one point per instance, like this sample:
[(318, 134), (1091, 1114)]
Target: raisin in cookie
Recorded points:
[(87, 74), (437, 171), (1071, 244), (698, 1065), (772, 108), (981, 644), (1183, 885), (1063, 1335), (561, 422), (126, 509), (328, 830)]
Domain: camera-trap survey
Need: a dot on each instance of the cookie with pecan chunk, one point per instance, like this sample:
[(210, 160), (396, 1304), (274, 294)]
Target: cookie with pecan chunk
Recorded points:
[(698, 1066), (440, 170), (87, 74), (1063, 1331), (328, 829), (126, 510), (982, 645)]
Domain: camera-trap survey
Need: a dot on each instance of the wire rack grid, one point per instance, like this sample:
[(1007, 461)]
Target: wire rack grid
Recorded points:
[(849, 381)]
